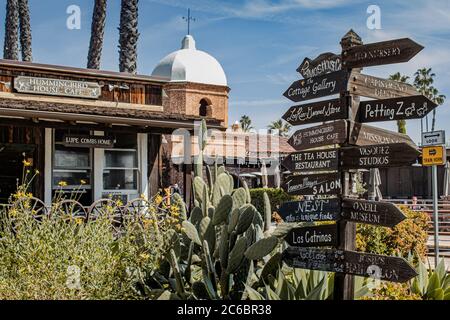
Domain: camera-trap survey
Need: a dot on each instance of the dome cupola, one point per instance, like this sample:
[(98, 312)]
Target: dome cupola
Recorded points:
[(191, 65)]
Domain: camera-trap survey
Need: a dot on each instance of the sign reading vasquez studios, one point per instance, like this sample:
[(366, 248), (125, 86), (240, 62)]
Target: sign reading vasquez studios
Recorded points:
[(57, 87), (78, 141)]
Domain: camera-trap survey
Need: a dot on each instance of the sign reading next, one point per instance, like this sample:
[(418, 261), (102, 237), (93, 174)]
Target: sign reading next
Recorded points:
[(88, 141)]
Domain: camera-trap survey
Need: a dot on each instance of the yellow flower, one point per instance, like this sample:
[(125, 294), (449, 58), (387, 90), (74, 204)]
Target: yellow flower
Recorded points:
[(158, 199), (26, 163), (83, 182), (119, 203), (62, 183), (78, 220), (144, 256), (37, 171), (13, 212)]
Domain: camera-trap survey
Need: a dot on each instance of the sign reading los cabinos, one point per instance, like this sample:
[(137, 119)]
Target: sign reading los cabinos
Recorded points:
[(57, 87)]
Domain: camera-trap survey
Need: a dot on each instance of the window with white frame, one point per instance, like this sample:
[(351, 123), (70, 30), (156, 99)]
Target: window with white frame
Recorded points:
[(121, 166)]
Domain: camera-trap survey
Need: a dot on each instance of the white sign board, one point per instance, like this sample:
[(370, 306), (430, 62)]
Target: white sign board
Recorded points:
[(433, 138)]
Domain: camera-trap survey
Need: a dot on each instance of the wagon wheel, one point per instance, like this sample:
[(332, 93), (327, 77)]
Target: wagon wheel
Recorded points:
[(31, 205), (71, 208), (136, 209), (105, 207)]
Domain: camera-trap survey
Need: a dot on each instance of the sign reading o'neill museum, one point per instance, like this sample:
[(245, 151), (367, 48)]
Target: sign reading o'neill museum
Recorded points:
[(58, 87)]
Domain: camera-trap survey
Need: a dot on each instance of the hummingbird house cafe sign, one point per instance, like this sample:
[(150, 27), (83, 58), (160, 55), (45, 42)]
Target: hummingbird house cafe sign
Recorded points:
[(57, 87)]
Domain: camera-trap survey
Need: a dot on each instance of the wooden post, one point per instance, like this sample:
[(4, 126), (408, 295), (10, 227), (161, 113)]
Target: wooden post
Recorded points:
[(344, 285)]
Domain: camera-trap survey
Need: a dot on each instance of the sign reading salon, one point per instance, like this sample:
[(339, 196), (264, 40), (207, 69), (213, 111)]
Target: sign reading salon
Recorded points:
[(57, 87)]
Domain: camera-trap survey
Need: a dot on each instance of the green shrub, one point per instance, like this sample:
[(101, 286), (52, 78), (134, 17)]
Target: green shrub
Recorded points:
[(408, 237), (276, 196)]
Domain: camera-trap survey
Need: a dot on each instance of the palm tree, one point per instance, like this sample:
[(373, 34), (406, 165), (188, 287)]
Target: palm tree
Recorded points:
[(423, 82), (25, 30), (401, 124), (437, 98), (97, 34), (129, 36), (246, 123), (11, 44), (282, 127)]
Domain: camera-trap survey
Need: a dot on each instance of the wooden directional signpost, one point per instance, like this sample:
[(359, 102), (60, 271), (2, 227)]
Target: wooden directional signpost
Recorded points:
[(405, 108), (327, 152)]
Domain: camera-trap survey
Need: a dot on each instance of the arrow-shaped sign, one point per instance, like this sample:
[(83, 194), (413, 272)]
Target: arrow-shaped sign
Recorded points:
[(363, 135), (377, 156), (311, 210), (404, 108), (317, 236), (378, 88), (377, 213), (314, 160), (323, 64), (319, 136), (313, 184), (316, 112), (380, 267), (379, 53), (322, 86)]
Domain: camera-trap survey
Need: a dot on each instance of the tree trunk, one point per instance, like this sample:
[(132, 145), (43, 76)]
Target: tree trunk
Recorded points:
[(25, 30), (401, 126), (129, 36), (97, 34), (11, 45), (433, 121)]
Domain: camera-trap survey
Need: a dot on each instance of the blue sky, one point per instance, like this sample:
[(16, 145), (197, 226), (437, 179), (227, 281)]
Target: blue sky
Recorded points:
[(260, 43)]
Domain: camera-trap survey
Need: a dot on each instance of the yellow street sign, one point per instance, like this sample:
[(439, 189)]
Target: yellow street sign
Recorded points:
[(435, 155)]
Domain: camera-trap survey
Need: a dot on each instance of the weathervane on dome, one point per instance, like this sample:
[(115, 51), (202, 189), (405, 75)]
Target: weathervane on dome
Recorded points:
[(188, 19)]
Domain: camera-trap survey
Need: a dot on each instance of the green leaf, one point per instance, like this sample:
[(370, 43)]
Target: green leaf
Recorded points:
[(317, 292), (434, 283), (223, 210), (261, 248), (253, 294), (437, 294), (271, 295), (191, 232)]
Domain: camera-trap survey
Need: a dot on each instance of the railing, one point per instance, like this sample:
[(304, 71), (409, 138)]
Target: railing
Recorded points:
[(426, 205), (134, 209)]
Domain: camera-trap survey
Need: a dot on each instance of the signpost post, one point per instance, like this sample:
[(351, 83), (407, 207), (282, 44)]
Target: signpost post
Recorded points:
[(433, 154)]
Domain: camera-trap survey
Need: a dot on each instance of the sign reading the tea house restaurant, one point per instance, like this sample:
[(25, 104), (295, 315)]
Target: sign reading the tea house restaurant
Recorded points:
[(57, 87)]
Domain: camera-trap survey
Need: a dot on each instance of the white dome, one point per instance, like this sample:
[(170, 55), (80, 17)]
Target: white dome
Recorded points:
[(191, 65)]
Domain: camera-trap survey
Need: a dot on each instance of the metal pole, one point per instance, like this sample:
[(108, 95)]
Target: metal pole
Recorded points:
[(435, 216)]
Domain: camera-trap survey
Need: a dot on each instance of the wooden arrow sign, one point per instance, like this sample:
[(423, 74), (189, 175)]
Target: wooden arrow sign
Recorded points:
[(319, 136), (363, 135), (378, 88), (314, 160), (378, 156), (379, 53), (323, 64), (318, 236), (380, 267), (316, 112), (413, 107), (322, 86), (313, 184), (311, 210), (377, 213)]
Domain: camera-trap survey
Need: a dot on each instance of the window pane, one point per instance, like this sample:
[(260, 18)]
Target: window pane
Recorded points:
[(120, 159), (120, 179), (71, 157), (72, 179), (125, 141)]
